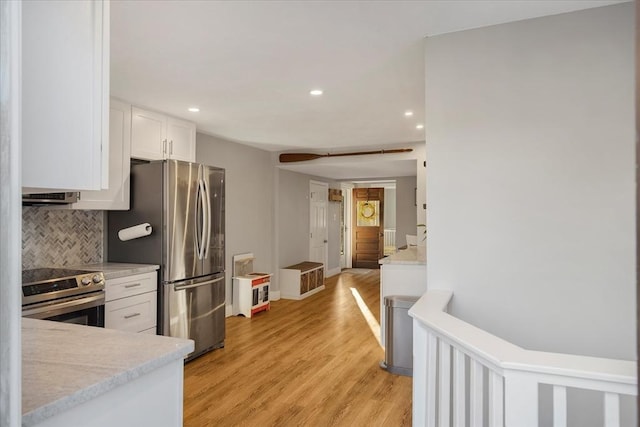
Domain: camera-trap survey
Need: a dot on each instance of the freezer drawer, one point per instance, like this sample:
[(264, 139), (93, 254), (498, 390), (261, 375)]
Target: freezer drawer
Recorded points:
[(195, 309)]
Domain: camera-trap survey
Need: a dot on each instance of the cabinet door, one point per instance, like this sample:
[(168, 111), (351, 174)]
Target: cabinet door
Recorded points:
[(65, 95), (128, 286), (116, 197), (148, 134), (132, 314), (312, 280), (181, 140)]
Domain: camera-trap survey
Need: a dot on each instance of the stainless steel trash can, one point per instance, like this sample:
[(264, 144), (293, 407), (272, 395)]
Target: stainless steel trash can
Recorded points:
[(398, 356)]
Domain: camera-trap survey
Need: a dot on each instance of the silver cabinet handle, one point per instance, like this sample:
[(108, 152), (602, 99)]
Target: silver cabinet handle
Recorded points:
[(171, 147), (164, 145), (132, 285), (129, 316)]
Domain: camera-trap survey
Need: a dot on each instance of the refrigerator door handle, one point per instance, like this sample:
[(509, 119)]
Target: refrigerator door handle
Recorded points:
[(207, 206), (201, 213), (197, 285)]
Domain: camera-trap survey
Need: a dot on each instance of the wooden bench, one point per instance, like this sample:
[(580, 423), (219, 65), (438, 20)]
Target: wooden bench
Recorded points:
[(301, 280)]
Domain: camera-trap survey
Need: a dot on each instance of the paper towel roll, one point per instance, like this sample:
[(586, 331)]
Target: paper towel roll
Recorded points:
[(134, 232)]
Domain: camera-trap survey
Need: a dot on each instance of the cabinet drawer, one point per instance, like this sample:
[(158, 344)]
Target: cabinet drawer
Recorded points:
[(133, 314), (130, 285)]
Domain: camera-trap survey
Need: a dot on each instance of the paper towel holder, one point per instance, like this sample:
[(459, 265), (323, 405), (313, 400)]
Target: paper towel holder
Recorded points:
[(135, 232)]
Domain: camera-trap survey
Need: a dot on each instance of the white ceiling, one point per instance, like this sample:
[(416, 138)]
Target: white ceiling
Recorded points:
[(249, 65)]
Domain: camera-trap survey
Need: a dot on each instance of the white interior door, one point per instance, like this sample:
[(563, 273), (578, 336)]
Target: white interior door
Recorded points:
[(318, 200)]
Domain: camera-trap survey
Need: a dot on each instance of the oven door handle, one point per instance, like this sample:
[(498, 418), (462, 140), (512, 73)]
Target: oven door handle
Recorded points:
[(57, 309)]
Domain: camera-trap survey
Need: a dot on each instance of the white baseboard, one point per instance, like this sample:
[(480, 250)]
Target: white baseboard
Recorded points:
[(228, 312), (274, 295), (333, 271)]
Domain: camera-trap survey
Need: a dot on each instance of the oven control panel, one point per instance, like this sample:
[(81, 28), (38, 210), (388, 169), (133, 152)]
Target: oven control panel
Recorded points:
[(46, 284)]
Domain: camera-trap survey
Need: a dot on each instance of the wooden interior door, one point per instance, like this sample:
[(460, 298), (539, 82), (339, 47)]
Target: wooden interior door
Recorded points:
[(367, 228)]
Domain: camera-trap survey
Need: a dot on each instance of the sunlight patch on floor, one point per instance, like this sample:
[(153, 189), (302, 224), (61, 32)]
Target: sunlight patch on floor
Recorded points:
[(368, 316)]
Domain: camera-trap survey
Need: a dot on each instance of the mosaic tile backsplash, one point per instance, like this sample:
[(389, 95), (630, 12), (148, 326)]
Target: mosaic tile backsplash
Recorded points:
[(52, 237)]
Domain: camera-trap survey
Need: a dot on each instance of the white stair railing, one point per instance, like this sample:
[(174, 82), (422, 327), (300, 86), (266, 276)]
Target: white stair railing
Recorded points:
[(389, 237), (443, 348)]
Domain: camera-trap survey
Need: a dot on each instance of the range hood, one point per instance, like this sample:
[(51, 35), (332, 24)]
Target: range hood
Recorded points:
[(49, 198)]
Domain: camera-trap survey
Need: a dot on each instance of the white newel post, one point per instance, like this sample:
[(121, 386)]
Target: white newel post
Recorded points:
[(520, 399), (419, 414)]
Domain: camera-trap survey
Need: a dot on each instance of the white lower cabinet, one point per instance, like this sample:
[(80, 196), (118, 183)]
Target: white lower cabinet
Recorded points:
[(131, 303)]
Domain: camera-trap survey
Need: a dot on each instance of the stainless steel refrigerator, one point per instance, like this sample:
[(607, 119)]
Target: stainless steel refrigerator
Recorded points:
[(184, 204)]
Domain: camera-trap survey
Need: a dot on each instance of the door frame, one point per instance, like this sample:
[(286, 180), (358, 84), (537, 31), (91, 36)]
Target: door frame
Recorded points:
[(347, 197), (326, 235), (366, 229)]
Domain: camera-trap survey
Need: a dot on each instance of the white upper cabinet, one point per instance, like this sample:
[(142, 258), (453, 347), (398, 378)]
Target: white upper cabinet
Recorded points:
[(148, 134), (155, 136), (65, 95), (181, 139), (116, 197)]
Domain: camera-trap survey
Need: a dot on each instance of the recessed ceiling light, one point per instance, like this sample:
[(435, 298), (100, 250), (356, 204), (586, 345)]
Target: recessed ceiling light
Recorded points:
[(194, 109), (419, 126), (316, 92), (408, 113)]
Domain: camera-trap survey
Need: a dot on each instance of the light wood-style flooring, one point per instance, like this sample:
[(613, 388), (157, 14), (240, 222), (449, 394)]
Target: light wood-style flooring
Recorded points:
[(313, 362)]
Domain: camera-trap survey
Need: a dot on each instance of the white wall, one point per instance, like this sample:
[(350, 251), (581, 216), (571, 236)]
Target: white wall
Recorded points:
[(406, 209), (530, 179), (293, 214), (389, 208), (249, 199)]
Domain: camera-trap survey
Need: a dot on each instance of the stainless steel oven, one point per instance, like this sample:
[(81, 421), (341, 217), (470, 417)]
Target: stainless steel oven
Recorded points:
[(63, 295)]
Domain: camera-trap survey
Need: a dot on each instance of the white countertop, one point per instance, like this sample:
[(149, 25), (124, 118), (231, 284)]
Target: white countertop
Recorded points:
[(410, 255), (64, 365), (114, 270)]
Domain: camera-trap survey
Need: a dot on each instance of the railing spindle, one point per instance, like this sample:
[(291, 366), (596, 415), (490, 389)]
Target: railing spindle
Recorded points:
[(559, 406), (459, 389), (432, 379), (444, 394), (475, 397)]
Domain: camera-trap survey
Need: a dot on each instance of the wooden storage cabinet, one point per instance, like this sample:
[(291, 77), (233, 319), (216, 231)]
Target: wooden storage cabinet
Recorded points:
[(155, 136), (251, 294), (131, 303), (301, 280)]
